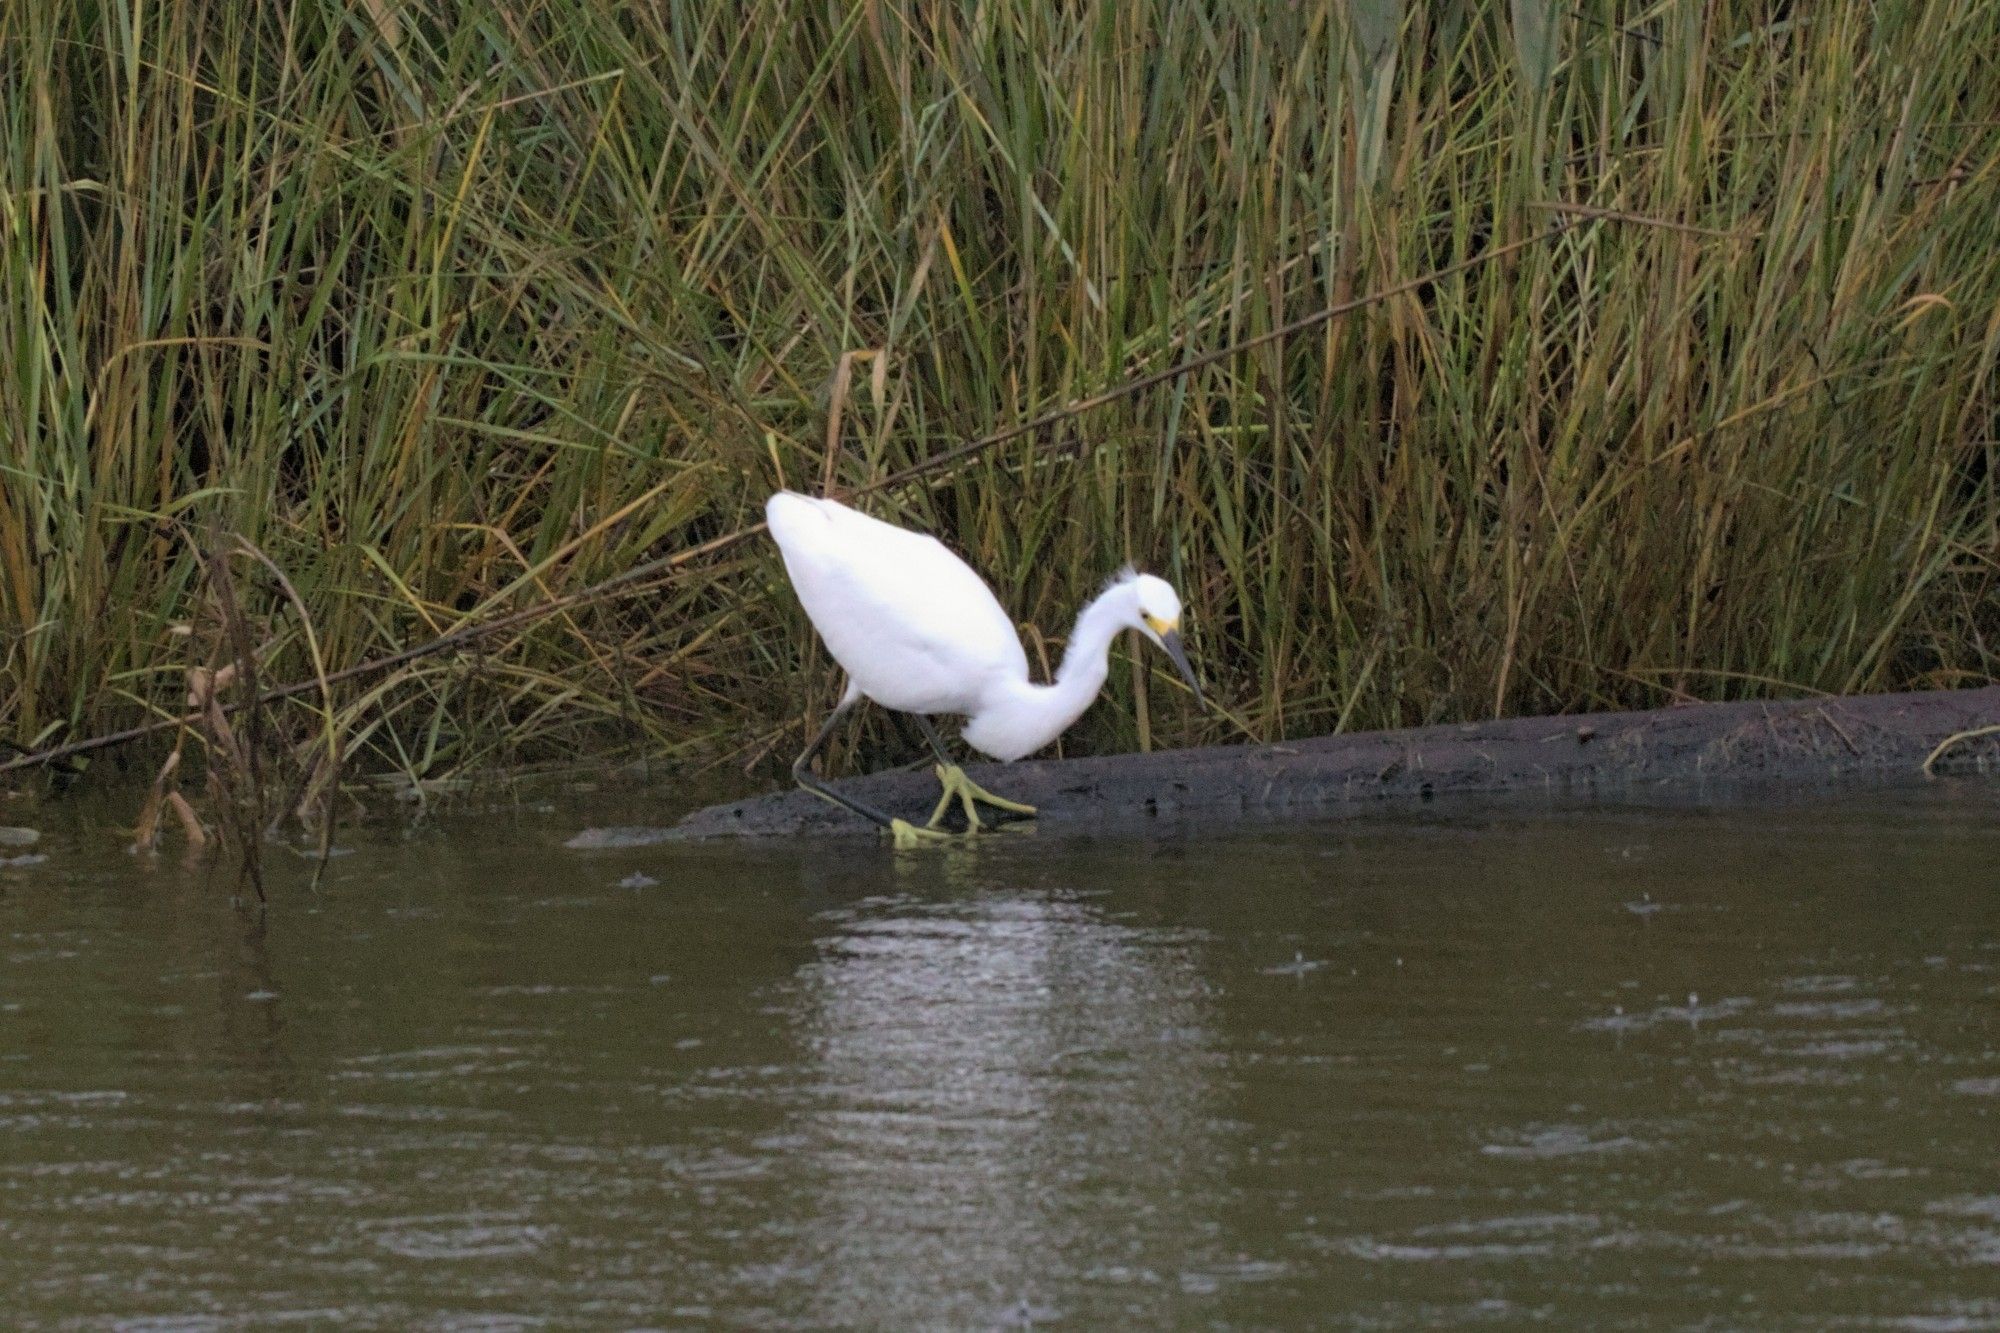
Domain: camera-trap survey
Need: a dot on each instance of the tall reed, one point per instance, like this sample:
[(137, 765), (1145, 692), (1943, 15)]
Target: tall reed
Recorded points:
[(447, 308)]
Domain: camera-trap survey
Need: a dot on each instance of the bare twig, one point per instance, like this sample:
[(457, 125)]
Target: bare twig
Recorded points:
[(330, 769), (1956, 738), (242, 767)]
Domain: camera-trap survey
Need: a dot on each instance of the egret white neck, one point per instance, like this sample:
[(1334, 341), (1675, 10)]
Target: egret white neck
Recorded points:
[(1018, 717)]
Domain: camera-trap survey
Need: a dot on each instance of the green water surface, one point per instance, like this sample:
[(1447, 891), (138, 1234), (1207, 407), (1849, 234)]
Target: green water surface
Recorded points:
[(1722, 1067)]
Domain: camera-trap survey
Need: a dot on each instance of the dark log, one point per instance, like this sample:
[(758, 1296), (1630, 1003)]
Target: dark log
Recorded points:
[(1674, 753)]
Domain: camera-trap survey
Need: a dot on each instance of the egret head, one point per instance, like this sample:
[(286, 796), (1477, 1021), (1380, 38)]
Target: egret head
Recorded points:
[(1156, 613)]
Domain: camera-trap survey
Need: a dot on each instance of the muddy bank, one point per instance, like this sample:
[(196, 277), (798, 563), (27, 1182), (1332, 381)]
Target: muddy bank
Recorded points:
[(1662, 751)]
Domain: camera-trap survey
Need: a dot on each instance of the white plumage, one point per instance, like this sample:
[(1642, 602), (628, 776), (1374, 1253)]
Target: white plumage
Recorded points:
[(916, 630), (919, 632)]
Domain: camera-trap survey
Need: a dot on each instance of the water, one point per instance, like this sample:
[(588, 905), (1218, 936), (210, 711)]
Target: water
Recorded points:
[(1718, 1068)]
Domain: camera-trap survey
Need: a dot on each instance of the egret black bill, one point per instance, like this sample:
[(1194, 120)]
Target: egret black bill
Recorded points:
[(1171, 641)]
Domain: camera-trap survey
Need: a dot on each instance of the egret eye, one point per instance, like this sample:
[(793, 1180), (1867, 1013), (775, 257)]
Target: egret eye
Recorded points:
[(1157, 625)]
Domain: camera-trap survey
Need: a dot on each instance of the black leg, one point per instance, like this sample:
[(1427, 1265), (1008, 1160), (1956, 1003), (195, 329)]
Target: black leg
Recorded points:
[(931, 735), (803, 774)]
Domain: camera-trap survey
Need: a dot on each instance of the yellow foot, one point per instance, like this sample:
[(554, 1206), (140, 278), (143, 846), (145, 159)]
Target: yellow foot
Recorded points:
[(909, 837), (965, 791)]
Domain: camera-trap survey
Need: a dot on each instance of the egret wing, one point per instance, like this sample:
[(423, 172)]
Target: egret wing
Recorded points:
[(932, 596), (912, 623)]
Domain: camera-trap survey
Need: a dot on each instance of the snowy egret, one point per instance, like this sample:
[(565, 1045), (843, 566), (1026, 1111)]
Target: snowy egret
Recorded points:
[(918, 632)]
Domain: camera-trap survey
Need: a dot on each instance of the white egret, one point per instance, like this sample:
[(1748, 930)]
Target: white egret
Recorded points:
[(918, 632)]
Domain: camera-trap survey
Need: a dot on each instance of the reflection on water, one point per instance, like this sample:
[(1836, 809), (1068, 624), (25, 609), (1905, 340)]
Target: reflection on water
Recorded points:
[(1006, 1056), (1629, 1067)]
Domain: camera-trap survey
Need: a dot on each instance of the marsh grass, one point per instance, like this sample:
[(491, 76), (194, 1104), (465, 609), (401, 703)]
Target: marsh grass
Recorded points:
[(443, 310)]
